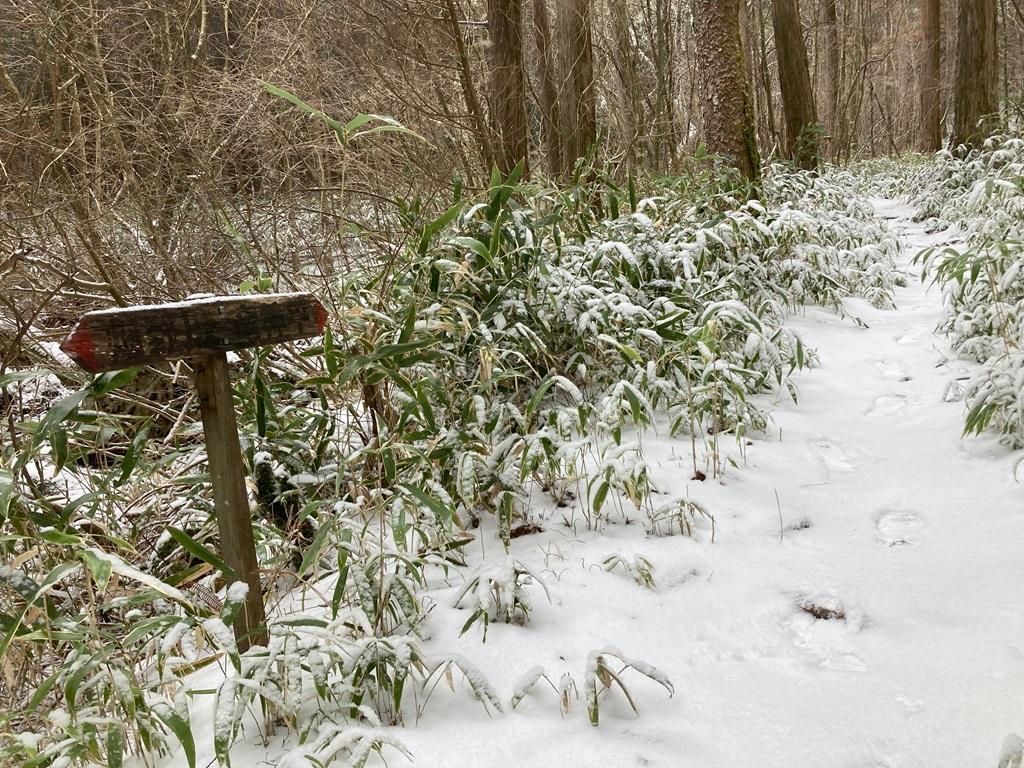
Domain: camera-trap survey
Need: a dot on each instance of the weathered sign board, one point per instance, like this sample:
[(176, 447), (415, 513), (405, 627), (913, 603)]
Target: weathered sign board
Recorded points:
[(111, 339), (205, 330)]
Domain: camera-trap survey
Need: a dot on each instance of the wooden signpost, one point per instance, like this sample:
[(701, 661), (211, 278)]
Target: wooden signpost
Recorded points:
[(204, 330)]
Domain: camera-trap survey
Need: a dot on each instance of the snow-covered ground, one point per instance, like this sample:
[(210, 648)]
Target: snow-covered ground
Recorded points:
[(863, 505)]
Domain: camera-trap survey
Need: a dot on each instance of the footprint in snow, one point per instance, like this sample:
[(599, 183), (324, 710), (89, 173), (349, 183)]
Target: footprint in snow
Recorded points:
[(892, 371), (897, 526), (887, 405), (910, 706), (894, 760), (821, 627), (833, 456)]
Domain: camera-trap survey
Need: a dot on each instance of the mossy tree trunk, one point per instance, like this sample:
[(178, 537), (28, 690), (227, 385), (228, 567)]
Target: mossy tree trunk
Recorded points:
[(725, 94)]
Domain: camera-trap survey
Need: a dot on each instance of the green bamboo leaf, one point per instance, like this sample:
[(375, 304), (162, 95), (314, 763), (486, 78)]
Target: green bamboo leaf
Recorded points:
[(133, 455), (476, 246), (61, 411), (262, 399), (339, 586), (6, 493), (181, 730), (600, 496), (443, 513), (111, 380), (14, 377), (42, 691), (535, 400), (100, 570), (193, 547), (313, 551), (115, 745), (53, 536), (52, 578), (58, 448)]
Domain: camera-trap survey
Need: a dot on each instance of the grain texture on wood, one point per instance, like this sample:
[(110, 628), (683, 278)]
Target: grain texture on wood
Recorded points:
[(231, 502), (111, 339)]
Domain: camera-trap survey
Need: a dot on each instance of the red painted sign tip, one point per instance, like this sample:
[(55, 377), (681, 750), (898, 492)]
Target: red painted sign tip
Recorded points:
[(321, 314), (80, 348)]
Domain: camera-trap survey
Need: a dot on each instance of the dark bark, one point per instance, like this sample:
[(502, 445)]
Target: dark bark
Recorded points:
[(508, 84), (795, 80), (469, 89), (930, 77), (728, 117), (550, 124), (577, 110), (832, 66), (664, 118), (765, 80), (975, 98), (624, 57)]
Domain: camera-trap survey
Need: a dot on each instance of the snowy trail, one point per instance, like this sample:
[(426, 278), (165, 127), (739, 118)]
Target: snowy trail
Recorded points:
[(884, 513)]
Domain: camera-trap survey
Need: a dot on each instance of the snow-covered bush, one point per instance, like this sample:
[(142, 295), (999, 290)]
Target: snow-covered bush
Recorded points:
[(599, 678), (499, 592), (521, 344), (638, 567), (981, 193)]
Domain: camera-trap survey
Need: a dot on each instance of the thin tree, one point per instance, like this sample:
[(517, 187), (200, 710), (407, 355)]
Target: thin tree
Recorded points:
[(929, 83), (508, 83), (725, 94), (795, 81), (550, 124), (465, 69), (975, 98), (625, 58), (577, 111), (833, 69)]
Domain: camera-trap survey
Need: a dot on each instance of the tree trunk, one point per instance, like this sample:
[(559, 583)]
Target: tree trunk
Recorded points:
[(975, 105), (930, 82), (795, 81), (469, 90), (550, 123), (728, 117), (832, 65), (664, 119), (624, 57), (765, 79), (577, 59), (508, 84)]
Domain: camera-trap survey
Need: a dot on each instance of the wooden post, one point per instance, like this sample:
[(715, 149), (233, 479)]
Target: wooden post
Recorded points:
[(204, 330), (230, 499)]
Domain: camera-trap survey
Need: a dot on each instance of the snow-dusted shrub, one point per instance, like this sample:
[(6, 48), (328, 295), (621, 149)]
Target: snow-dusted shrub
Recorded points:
[(498, 592), (529, 352), (109, 703), (679, 515), (600, 678), (981, 193), (638, 567), (522, 342), (1012, 752), (316, 674)]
